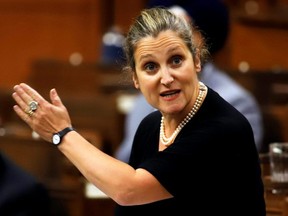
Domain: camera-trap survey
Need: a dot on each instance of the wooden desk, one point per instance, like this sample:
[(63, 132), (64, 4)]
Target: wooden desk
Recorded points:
[(96, 202), (276, 195), (99, 206)]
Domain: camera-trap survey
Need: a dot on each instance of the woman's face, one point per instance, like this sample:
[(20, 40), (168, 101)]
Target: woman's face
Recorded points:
[(166, 73)]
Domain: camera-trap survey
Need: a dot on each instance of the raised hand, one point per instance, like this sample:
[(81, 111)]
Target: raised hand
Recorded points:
[(44, 117)]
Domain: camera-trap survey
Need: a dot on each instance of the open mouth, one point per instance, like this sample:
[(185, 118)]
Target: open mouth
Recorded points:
[(170, 93)]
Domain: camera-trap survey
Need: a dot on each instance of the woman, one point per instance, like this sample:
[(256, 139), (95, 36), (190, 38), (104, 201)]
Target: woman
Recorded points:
[(182, 154)]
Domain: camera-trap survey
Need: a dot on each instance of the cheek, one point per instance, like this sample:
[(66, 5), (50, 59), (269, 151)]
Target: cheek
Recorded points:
[(146, 86), (146, 82)]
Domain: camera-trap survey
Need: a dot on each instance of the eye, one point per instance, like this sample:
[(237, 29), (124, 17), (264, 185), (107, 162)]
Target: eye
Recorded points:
[(176, 60), (150, 67)]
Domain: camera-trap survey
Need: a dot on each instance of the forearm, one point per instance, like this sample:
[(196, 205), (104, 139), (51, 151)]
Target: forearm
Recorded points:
[(105, 172), (118, 180)]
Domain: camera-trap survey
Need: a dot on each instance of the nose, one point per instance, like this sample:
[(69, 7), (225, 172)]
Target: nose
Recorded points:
[(166, 77)]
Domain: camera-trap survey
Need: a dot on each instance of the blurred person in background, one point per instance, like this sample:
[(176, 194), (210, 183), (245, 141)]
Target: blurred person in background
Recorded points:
[(211, 19), (112, 47), (21, 194)]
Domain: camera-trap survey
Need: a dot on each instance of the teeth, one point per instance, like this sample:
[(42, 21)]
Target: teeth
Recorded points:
[(169, 95)]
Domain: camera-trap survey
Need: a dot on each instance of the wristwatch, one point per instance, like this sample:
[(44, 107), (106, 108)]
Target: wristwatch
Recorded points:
[(57, 137)]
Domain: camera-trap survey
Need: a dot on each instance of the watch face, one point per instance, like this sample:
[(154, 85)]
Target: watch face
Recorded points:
[(56, 139)]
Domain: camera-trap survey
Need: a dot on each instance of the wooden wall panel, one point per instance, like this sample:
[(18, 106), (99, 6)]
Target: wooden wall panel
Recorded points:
[(47, 29), (264, 48), (54, 29), (126, 10)]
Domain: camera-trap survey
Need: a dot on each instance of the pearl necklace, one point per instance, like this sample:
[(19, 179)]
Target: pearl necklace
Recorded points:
[(169, 140)]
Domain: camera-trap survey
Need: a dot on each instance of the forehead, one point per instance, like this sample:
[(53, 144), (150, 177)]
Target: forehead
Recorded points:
[(166, 41)]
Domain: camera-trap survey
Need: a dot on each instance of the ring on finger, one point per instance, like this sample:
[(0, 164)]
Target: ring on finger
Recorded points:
[(30, 113), (33, 105)]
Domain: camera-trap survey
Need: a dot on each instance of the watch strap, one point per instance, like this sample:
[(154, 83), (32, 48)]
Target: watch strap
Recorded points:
[(66, 130)]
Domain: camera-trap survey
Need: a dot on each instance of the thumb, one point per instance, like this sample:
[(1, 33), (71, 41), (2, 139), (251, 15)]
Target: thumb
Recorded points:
[(55, 99)]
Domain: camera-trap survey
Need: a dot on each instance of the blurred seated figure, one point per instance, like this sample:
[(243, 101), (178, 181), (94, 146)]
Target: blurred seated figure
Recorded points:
[(211, 19), (20, 193), (112, 43)]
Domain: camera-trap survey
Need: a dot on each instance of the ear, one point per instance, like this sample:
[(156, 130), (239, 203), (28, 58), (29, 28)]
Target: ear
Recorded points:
[(135, 81), (197, 62)]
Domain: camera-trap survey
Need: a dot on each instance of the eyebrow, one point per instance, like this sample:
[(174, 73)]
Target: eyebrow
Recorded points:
[(145, 56), (171, 50)]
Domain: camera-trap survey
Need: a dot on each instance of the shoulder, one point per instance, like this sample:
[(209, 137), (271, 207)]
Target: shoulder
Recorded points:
[(153, 118), (221, 114), (149, 126)]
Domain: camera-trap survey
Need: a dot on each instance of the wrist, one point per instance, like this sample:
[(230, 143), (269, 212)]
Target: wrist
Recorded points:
[(57, 137)]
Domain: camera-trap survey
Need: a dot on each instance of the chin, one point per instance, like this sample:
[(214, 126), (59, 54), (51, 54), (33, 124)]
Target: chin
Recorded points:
[(173, 109)]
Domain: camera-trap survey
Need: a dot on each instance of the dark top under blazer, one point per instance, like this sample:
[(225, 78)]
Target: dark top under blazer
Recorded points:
[(212, 168)]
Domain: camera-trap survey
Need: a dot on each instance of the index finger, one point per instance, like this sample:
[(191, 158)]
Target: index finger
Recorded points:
[(27, 93)]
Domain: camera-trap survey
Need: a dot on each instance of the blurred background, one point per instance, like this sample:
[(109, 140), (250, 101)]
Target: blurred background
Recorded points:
[(69, 44)]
